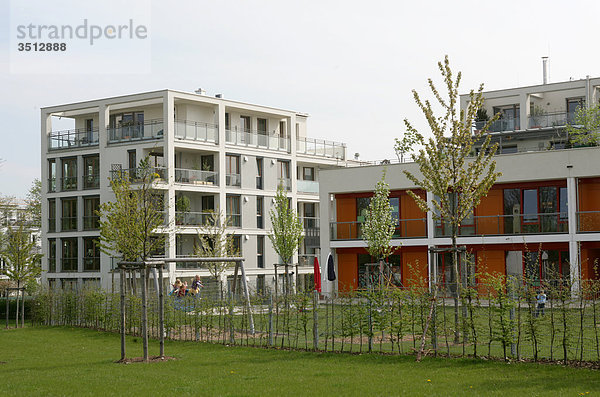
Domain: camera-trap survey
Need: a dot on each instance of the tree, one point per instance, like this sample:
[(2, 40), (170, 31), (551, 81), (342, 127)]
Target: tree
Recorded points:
[(450, 170), (379, 225), (584, 129), (406, 144), (287, 233), (20, 254), (213, 241), (34, 202)]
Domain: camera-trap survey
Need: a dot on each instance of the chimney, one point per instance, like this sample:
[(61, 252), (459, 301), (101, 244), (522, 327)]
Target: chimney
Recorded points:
[(200, 91), (545, 69)]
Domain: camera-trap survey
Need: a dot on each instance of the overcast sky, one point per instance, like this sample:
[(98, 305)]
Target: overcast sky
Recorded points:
[(351, 65)]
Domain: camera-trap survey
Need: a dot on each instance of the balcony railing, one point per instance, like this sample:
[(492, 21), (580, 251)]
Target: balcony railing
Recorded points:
[(51, 185), (550, 120), (71, 139), (68, 224), (588, 221), (286, 182), (407, 228), (196, 131), (196, 177), (152, 129), (308, 186), (91, 222), (508, 225), (319, 147), (91, 181), (307, 260), (309, 222), (503, 124), (233, 180), (68, 183), (257, 139), (136, 175), (91, 264), (195, 218), (68, 264)]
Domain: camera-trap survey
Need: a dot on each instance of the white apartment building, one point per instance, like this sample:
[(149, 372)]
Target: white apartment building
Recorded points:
[(220, 154)]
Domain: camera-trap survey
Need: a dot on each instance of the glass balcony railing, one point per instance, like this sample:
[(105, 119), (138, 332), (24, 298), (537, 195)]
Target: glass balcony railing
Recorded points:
[(322, 148), (137, 175), (195, 218), (233, 180), (257, 139), (72, 139), (68, 183), (152, 129), (547, 120), (407, 228), (588, 221), (91, 181), (309, 222), (308, 186), (286, 182), (196, 177), (196, 131)]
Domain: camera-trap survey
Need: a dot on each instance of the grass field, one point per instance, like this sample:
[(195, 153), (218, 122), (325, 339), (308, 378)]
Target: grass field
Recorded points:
[(71, 361)]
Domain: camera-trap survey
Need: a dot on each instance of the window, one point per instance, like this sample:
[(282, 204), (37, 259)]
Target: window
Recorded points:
[(232, 166), (91, 172), (233, 210), (260, 252), (530, 205), (69, 174), (245, 123), (261, 126), (309, 173), (283, 173), (259, 173), (534, 210), (260, 205), (236, 242), (260, 284), (282, 135), (227, 122), (131, 163), (310, 216), (51, 175), (51, 255), (69, 214), (572, 105), (51, 215), (564, 209), (91, 254), (90, 217), (69, 255), (362, 207)]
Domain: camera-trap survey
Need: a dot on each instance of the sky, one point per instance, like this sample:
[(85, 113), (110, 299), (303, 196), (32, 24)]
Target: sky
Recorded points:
[(351, 65)]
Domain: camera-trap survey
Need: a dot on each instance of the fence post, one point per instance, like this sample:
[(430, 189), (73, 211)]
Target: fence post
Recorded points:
[(315, 320), (231, 336), (271, 319)]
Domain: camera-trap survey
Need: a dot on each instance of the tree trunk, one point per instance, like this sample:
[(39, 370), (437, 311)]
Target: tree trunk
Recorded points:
[(456, 285), (427, 322), (287, 281), (17, 301)]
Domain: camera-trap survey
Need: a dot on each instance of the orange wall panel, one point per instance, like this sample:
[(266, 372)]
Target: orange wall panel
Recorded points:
[(347, 271), (410, 210), (346, 212), (414, 267), (589, 200), (492, 205), (491, 262)]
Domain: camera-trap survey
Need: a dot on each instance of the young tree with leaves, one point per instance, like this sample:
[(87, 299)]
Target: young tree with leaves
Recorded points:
[(34, 202), (213, 241), (379, 225), (456, 176), (20, 253), (287, 233), (584, 129), (406, 145)]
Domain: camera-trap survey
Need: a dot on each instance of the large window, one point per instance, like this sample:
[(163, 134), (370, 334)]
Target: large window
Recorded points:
[(91, 172), (51, 255), (260, 252), (548, 267), (69, 214), (51, 215), (260, 205), (69, 255), (91, 254), (283, 173), (51, 175), (535, 210), (69, 174), (259, 173), (308, 173), (233, 210), (232, 167), (91, 205)]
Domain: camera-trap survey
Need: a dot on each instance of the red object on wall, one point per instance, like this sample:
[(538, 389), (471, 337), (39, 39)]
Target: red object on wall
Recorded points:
[(317, 275)]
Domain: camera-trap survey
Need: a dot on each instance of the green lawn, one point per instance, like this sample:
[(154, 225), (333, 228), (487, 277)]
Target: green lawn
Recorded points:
[(69, 361)]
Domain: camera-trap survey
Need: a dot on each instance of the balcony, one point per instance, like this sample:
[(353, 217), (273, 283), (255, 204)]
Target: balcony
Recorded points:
[(588, 221), (196, 131), (152, 129), (233, 180), (91, 181), (68, 224), (308, 186), (72, 139), (137, 175), (321, 148), (407, 228), (257, 139), (285, 182), (195, 218), (91, 222), (68, 183), (312, 231), (544, 223), (549, 120), (196, 177)]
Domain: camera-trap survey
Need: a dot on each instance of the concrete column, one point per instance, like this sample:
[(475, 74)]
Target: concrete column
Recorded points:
[(169, 159), (572, 222), (524, 100), (291, 133), (221, 203), (105, 191), (46, 127)]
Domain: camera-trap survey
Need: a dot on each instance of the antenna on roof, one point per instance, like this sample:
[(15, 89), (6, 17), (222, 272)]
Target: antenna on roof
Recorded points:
[(545, 69)]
